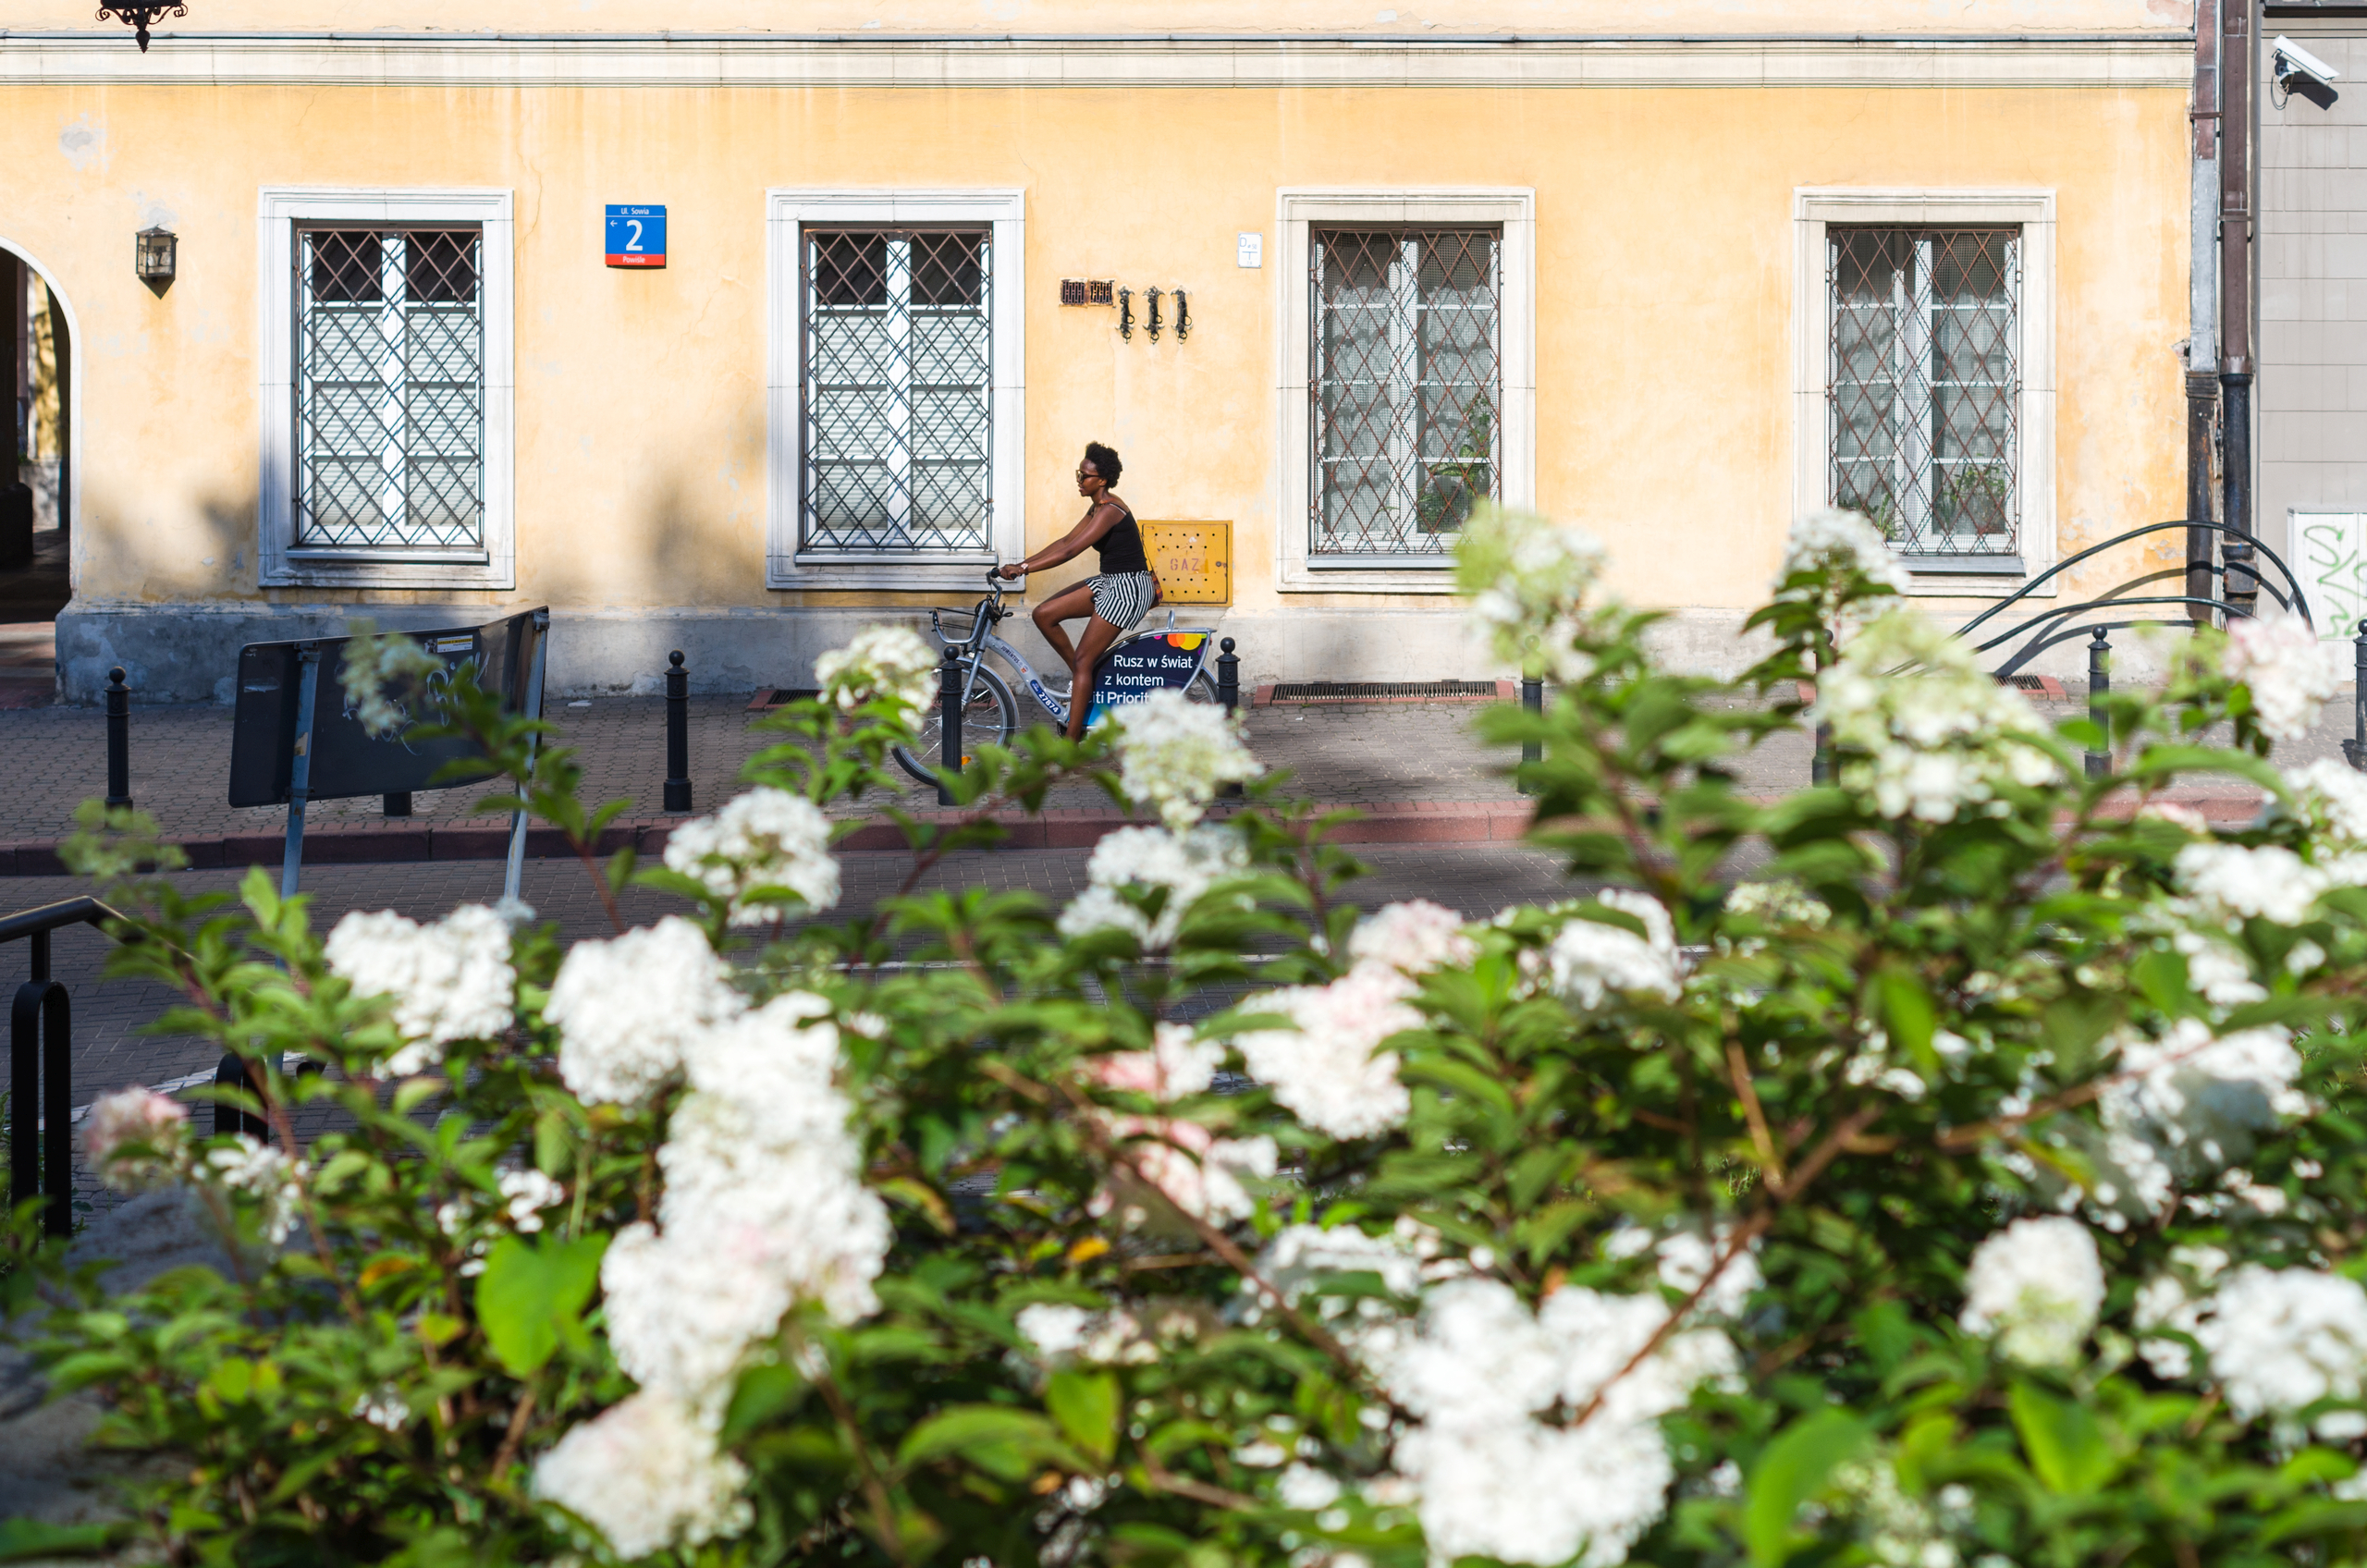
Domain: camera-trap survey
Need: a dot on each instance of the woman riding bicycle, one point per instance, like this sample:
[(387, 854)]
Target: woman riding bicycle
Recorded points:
[(1121, 595)]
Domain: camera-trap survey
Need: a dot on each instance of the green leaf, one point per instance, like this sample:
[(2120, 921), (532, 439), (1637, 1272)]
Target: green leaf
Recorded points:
[(531, 1298), (1085, 1404), (999, 1440), (2066, 1445), (24, 1539), (1909, 1017), (1791, 1470)]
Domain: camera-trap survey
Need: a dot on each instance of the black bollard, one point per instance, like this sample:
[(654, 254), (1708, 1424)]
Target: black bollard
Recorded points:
[(2099, 686), (1532, 697), (678, 734), (232, 1074), (2354, 750), (396, 804), (1228, 694), (948, 705), (118, 742)]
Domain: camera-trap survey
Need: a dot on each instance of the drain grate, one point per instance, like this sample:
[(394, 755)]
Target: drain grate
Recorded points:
[(773, 697), (2023, 682), (1384, 691)]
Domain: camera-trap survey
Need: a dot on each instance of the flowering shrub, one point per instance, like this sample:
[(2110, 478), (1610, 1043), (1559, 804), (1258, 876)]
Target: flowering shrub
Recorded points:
[(1977, 1185)]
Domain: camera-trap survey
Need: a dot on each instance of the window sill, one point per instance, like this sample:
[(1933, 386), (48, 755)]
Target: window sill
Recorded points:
[(1966, 566), (893, 573), (308, 555)]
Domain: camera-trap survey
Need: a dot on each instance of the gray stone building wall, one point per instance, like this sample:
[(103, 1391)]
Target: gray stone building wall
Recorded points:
[(2311, 254)]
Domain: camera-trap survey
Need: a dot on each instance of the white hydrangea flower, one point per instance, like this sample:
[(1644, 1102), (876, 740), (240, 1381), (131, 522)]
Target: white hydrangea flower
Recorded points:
[(2036, 1286), (1495, 1482), (1331, 1070), (882, 661), (1199, 1173), (1304, 1488), (2281, 1340), (1173, 753), (525, 1195), (1414, 938), (373, 668), (1178, 1065), (2230, 883), (764, 1207), (2190, 1075), (1685, 1258), (2332, 798), (386, 1408), (1922, 730), (1056, 1328), (767, 838), (264, 1173), (1185, 865), (1590, 959), (2289, 672), (1527, 580), (2217, 969), (449, 981), (647, 1475), (1837, 540), (629, 1009), (2174, 1302), (135, 1117), (1301, 1256)]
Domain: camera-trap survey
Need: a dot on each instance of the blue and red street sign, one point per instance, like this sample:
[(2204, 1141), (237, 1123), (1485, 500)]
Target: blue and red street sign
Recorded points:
[(636, 235)]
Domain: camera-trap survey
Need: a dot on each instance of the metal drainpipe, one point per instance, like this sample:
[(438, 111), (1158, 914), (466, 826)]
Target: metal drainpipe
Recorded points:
[(2202, 310), (2239, 67)]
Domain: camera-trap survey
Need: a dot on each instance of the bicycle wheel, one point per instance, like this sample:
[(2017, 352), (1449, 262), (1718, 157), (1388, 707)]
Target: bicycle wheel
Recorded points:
[(1202, 690), (987, 720)]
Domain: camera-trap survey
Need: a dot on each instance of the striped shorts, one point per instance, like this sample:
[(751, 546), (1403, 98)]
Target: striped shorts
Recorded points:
[(1123, 599)]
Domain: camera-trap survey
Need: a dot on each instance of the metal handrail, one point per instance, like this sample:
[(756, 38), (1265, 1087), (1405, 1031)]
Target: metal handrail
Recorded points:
[(2299, 601), (40, 1137), (41, 921)]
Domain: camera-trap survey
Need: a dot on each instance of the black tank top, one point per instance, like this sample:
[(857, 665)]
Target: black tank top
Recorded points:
[(1121, 549)]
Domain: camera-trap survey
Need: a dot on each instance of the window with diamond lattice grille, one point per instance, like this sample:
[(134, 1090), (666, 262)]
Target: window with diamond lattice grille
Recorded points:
[(1925, 385), (389, 390), (898, 393), (1406, 387)]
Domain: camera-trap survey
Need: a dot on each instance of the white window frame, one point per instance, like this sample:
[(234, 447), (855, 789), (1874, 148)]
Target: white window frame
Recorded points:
[(1298, 211), (787, 211), (279, 210), (2033, 212)]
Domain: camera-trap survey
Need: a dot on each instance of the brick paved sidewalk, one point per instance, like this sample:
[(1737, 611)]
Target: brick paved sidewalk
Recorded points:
[(1415, 768), (52, 758)]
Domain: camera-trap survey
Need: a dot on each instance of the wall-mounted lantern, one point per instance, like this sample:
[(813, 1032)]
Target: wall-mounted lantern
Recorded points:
[(137, 17), (155, 257)]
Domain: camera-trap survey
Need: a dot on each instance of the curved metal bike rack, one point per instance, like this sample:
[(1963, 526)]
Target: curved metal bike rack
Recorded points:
[(2063, 622)]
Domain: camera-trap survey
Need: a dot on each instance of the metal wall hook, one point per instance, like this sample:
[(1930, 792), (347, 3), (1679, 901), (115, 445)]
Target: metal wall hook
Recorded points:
[(1126, 313), (1152, 295), (1182, 316)]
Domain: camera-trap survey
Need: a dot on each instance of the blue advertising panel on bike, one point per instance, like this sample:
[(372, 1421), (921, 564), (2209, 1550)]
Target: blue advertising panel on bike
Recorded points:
[(1139, 665)]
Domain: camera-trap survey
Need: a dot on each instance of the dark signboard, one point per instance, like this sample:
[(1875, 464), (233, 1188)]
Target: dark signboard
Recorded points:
[(347, 760), (1139, 665)]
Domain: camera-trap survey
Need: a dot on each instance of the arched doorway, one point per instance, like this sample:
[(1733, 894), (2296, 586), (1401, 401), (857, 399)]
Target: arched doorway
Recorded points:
[(37, 482)]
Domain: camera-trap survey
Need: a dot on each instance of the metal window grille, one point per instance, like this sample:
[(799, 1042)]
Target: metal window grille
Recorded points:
[(898, 366), (1925, 385), (1405, 386), (389, 389)]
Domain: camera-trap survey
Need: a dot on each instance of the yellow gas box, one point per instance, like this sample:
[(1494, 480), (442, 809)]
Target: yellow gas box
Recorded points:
[(1194, 561)]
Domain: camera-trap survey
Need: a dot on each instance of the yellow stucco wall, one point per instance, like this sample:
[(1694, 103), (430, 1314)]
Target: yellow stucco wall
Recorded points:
[(1664, 256), (1152, 15)]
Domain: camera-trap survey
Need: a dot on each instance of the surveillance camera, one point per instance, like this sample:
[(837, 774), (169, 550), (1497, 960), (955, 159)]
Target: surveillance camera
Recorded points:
[(2292, 60)]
